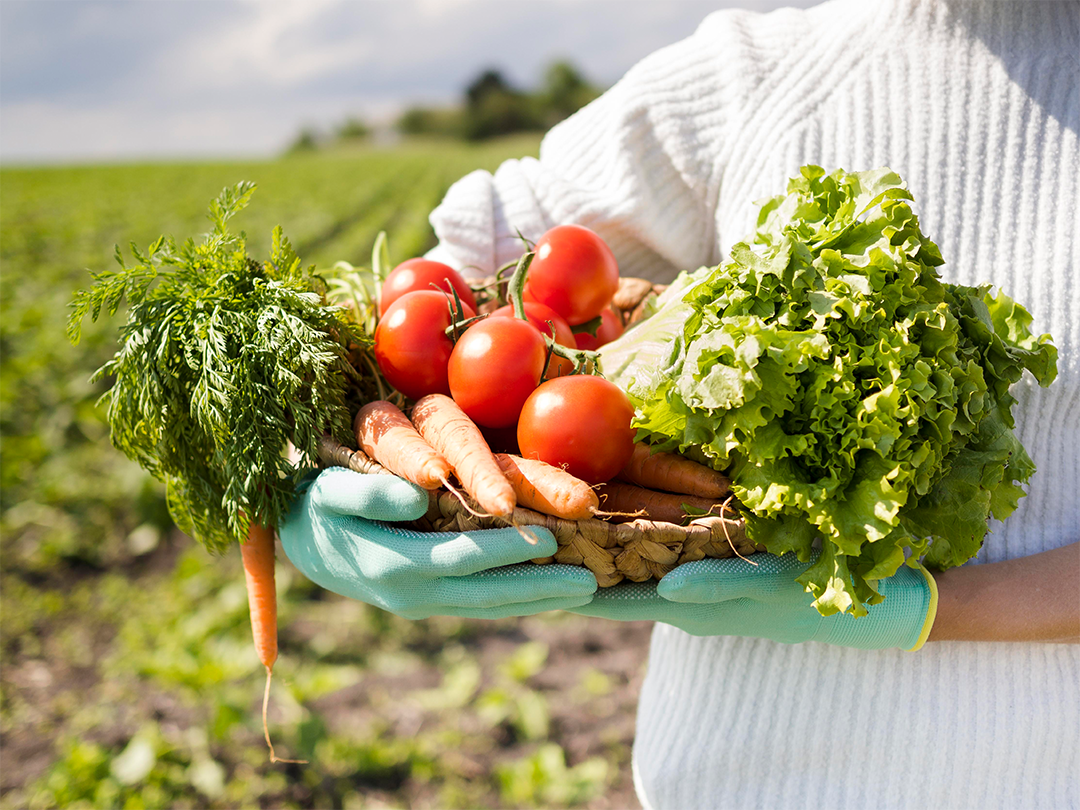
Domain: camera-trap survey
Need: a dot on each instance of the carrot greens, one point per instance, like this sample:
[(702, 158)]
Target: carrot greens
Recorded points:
[(223, 361)]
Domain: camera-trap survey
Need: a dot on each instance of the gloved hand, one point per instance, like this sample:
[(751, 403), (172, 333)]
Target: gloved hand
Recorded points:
[(335, 536), (734, 597)]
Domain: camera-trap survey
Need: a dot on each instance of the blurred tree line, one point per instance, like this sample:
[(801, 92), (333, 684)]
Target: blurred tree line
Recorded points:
[(491, 107)]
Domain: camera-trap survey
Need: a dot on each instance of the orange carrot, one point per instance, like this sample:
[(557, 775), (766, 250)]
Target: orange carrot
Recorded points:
[(626, 502), (258, 558), (454, 435), (387, 435), (540, 486), (673, 473)]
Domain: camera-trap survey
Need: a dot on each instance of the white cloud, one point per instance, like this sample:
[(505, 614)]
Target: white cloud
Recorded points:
[(175, 77), (438, 9), (263, 47)]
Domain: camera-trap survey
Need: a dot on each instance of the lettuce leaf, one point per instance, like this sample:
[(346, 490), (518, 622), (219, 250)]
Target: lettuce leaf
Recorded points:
[(858, 402)]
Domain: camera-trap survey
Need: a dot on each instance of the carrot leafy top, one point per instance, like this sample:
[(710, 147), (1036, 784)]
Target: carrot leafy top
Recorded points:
[(223, 360)]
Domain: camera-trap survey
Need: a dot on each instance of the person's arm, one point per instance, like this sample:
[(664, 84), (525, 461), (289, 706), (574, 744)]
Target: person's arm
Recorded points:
[(1035, 598), (641, 165)]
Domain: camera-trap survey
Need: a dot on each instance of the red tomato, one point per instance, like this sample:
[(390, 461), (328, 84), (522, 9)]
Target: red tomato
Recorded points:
[(494, 367), (573, 272), (581, 423), (610, 327), (411, 346), (539, 315), (421, 274)]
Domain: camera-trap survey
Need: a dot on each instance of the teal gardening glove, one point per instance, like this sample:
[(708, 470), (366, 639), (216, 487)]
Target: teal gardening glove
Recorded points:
[(734, 597), (339, 534)]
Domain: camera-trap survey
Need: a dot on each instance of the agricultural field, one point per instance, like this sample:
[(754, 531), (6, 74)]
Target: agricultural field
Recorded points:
[(129, 678)]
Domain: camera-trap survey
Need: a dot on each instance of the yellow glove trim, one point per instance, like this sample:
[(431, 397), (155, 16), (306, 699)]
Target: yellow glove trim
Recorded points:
[(931, 612)]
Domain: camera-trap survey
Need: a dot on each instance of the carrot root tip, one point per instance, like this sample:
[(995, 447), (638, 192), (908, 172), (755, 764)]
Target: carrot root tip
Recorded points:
[(464, 501), (528, 536), (266, 728)]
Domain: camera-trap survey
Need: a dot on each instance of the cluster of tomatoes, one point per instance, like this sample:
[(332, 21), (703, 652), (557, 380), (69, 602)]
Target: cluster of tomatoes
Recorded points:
[(500, 369)]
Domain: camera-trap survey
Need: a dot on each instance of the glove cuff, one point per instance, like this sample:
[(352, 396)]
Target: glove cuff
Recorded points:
[(903, 620), (931, 611)]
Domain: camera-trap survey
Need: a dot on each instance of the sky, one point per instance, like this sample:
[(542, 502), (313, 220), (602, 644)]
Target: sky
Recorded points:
[(107, 80)]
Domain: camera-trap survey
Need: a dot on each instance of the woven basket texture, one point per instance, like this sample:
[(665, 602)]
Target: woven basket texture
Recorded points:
[(637, 550)]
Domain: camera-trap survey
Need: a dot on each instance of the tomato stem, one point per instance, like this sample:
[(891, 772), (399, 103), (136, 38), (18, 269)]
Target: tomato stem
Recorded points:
[(380, 260), (516, 288), (458, 320), (490, 289), (585, 362), (506, 268), (460, 324), (547, 357), (529, 244)]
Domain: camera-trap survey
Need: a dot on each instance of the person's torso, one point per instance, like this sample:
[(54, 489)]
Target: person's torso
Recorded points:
[(977, 107)]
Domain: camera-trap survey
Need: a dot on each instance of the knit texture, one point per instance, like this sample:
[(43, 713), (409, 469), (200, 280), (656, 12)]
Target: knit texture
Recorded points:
[(977, 106)]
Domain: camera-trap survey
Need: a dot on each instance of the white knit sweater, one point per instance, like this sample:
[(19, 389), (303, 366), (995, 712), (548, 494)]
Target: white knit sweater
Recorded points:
[(977, 106)]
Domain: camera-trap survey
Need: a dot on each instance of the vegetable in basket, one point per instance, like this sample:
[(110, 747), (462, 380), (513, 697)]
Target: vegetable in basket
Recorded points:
[(851, 395)]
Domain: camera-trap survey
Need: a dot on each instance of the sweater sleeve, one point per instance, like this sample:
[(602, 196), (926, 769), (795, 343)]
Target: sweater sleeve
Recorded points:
[(641, 166)]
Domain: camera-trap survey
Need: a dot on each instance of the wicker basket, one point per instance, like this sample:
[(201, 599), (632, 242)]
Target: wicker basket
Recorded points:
[(637, 550)]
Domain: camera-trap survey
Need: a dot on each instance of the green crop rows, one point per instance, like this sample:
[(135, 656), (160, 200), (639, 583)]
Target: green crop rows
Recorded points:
[(129, 679)]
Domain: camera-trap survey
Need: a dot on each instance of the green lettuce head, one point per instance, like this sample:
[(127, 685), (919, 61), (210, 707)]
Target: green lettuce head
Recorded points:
[(853, 397)]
